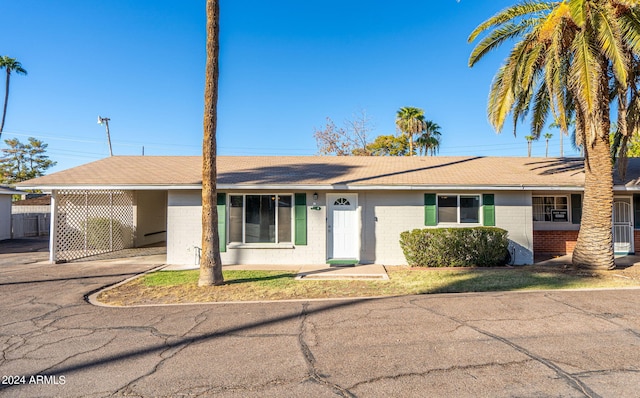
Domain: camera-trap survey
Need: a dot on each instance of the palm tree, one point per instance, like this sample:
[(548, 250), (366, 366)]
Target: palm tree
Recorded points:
[(410, 121), (547, 137), (429, 141), (567, 57), (210, 261), (529, 139), (10, 65)]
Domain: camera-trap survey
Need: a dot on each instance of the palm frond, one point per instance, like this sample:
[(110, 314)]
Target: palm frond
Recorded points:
[(630, 26), (541, 108), (497, 37), (501, 97), (609, 38), (578, 12), (511, 13), (584, 73)]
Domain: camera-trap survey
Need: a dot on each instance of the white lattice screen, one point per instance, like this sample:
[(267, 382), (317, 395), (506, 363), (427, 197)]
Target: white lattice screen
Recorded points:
[(93, 222)]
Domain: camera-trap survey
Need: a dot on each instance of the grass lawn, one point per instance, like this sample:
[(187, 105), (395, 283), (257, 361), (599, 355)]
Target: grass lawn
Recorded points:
[(164, 287)]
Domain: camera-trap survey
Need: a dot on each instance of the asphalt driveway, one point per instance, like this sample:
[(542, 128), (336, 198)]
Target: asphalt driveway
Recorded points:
[(560, 343)]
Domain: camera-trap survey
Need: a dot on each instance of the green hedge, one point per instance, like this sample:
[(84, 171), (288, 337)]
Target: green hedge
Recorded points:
[(455, 247)]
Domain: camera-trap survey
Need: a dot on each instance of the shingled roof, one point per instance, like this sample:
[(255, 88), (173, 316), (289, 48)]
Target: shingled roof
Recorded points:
[(328, 171)]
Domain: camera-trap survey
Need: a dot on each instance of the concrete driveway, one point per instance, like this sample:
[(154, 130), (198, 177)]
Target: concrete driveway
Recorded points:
[(553, 344)]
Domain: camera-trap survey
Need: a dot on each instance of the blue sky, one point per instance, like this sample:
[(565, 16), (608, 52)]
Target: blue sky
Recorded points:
[(285, 66)]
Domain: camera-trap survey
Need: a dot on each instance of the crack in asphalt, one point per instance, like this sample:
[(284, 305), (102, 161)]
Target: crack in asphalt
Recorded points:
[(607, 317), (310, 360), (440, 370), (573, 381), (46, 370), (173, 350)]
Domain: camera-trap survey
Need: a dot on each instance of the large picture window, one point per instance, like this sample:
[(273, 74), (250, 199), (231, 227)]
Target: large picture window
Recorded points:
[(464, 209), (551, 208), (260, 218)]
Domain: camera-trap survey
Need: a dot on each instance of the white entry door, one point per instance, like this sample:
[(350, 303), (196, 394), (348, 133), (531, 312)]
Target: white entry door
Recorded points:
[(622, 226), (342, 227)]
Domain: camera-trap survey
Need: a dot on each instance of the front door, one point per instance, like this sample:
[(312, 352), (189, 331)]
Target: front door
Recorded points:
[(622, 226), (342, 227)]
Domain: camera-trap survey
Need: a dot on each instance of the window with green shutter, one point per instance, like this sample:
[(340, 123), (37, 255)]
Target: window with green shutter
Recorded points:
[(430, 210), (636, 211), (222, 221), (300, 219), (488, 210), (576, 208)]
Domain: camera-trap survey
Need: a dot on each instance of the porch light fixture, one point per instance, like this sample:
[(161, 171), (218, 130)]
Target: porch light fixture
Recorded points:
[(315, 196)]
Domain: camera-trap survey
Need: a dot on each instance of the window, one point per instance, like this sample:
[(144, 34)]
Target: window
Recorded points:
[(463, 209), (260, 218), (551, 208)]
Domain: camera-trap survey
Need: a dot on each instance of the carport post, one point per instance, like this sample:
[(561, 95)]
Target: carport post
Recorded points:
[(53, 227)]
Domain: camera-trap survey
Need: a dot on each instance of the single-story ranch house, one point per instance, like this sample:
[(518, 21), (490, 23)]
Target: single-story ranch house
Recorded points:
[(314, 210)]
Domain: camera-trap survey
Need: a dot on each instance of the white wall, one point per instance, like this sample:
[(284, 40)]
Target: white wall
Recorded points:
[(151, 217), (383, 216), (184, 236), (514, 213), (184, 228), (5, 217)]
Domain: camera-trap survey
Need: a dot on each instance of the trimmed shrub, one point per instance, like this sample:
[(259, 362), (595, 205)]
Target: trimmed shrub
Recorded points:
[(455, 247)]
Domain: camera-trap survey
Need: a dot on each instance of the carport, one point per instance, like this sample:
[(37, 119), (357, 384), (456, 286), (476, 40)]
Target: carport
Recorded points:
[(88, 222)]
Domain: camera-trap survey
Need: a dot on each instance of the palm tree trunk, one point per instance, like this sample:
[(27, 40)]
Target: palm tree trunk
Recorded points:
[(546, 150), (210, 261), (594, 248), (6, 100), (410, 144)]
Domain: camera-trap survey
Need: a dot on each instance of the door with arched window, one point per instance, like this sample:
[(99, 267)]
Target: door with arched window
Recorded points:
[(343, 239)]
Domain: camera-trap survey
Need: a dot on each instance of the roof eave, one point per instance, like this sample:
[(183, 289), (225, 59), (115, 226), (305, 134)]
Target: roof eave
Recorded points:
[(321, 187)]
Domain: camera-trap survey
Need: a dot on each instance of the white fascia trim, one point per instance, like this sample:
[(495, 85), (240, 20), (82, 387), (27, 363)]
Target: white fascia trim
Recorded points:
[(336, 187), (46, 188), (344, 187)]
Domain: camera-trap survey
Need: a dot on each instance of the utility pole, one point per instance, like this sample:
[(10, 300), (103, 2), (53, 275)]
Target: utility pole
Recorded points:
[(105, 121)]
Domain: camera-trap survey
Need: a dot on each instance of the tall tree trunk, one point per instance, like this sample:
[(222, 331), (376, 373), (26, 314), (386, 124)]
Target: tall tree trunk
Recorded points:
[(6, 100), (594, 248), (210, 261), (546, 149)]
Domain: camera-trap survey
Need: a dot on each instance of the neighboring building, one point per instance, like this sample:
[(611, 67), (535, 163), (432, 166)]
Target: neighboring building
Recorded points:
[(311, 210), (30, 217), (5, 211)]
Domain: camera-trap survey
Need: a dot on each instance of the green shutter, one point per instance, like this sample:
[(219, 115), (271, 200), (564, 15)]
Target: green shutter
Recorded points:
[(636, 211), (222, 221), (576, 208), (488, 210), (430, 210), (300, 219)]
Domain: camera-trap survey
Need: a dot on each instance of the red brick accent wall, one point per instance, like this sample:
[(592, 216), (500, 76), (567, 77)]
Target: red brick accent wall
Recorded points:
[(636, 240), (556, 242)]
